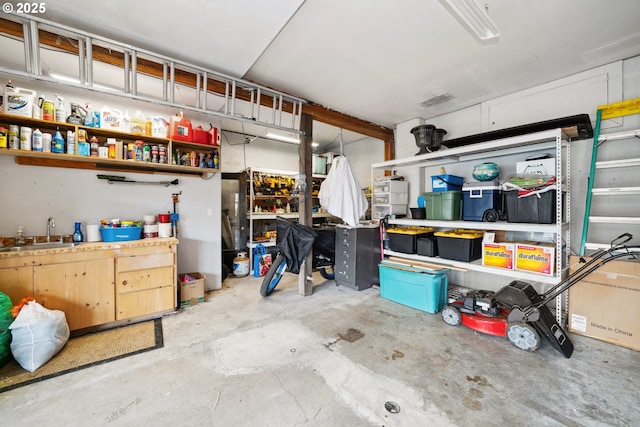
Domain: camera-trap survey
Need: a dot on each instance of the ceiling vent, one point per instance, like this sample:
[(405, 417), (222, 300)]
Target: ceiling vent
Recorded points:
[(439, 99)]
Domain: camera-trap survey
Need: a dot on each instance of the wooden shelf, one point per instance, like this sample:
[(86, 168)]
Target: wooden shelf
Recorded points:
[(49, 159)]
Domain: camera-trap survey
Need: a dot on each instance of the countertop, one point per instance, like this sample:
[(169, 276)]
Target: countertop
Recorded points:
[(93, 246)]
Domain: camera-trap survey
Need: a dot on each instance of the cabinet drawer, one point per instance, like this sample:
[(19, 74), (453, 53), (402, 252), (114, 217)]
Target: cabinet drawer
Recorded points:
[(132, 281), (346, 276), (345, 255), (143, 262), (145, 302)]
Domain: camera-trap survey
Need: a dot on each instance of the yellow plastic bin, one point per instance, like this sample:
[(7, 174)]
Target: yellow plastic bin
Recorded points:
[(405, 239)]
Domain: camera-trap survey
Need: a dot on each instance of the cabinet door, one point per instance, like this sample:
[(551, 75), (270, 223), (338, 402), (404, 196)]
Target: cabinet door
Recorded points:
[(16, 283), (145, 284), (83, 290)]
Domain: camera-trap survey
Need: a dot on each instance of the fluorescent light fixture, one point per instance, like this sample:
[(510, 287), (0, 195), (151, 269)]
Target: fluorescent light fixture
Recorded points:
[(315, 145), (68, 79), (474, 18), (283, 138)]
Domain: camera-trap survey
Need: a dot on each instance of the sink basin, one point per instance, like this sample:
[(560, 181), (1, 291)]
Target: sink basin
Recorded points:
[(37, 246)]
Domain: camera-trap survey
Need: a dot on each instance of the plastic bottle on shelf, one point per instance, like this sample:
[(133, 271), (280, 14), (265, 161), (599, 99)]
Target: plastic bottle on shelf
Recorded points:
[(21, 238), (138, 122), (71, 142), (36, 140), (94, 144), (77, 234), (57, 142), (89, 118), (126, 122)]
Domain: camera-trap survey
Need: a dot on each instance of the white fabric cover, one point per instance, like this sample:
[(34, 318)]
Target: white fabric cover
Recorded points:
[(37, 335), (340, 193)]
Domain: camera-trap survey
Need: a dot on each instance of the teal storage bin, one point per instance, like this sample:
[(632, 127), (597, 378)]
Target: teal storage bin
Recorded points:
[(417, 288)]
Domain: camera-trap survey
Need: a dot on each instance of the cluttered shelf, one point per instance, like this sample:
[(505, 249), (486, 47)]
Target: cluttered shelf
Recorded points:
[(475, 265), (33, 141)]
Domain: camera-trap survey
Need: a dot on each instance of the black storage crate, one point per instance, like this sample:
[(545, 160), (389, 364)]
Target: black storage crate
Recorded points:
[(460, 245), (405, 240), (531, 209), (427, 246)]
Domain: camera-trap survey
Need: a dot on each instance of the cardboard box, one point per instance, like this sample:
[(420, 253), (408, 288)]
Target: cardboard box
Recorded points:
[(536, 257), (537, 167), (604, 305), (499, 255), (191, 291)]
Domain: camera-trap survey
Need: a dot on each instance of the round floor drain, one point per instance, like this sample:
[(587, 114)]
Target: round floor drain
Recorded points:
[(392, 407)]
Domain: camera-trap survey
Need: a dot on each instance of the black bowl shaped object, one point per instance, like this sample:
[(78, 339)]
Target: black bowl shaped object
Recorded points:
[(436, 139), (424, 137)]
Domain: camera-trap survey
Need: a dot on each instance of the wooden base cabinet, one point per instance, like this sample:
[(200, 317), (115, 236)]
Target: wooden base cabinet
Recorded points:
[(96, 283), (16, 282), (145, 284), (83, 290)]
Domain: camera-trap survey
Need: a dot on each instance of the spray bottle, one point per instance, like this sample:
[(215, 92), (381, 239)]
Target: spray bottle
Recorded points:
[(89, 118), (61, 113)]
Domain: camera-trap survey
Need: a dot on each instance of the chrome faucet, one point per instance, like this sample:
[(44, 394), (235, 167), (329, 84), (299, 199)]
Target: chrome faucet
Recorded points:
[(50, 224)]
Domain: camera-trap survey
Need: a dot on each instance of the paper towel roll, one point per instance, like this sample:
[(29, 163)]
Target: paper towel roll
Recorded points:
[(93, 233)]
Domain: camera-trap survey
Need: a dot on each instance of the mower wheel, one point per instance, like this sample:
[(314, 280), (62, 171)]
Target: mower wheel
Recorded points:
[(451, 315), (524, 336)]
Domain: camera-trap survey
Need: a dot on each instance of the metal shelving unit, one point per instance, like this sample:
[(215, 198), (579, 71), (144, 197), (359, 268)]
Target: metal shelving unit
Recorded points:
[(554, 140)]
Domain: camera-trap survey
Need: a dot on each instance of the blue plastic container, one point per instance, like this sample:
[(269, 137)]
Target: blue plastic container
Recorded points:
[(421, 289), (120, 234), (479, 197), (446, 182)]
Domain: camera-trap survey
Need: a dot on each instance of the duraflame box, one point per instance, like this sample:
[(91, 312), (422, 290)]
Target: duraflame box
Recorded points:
[(604, 305), (536, 257), (499, 255), (191, 291)]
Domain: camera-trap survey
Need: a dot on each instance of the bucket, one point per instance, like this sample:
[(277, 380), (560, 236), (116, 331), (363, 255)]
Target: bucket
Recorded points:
[(19, 101), (241, 265)]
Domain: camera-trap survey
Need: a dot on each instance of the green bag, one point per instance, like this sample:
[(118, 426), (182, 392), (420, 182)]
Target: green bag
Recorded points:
[(6, 319)]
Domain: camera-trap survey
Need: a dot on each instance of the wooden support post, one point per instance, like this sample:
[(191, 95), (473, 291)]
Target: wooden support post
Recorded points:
[(305, 200)]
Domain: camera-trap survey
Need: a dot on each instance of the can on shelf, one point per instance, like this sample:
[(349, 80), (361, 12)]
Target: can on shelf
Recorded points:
[(25, 138), (14, 137)]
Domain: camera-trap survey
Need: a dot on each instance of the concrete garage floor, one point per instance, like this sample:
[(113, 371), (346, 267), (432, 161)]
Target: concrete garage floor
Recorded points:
[(334, 359)]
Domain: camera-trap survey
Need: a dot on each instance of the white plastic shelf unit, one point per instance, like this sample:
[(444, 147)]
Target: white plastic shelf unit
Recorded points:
[(390, 197), (504, 152)]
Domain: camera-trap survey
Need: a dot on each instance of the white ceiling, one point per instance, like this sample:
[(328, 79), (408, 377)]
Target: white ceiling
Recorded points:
[(376, 60)]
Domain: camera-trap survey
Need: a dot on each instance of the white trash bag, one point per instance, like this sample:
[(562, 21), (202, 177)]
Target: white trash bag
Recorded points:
[(37, 335)]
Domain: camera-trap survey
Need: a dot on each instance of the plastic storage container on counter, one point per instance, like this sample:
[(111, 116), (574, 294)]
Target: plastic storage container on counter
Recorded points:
[(460, 244), (405, 239)]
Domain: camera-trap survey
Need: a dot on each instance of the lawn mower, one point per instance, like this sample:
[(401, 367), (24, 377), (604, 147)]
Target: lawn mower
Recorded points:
[(519, 313)]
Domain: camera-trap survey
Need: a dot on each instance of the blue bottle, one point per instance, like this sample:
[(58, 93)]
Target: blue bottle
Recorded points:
[(57, 142), (77, 234)]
